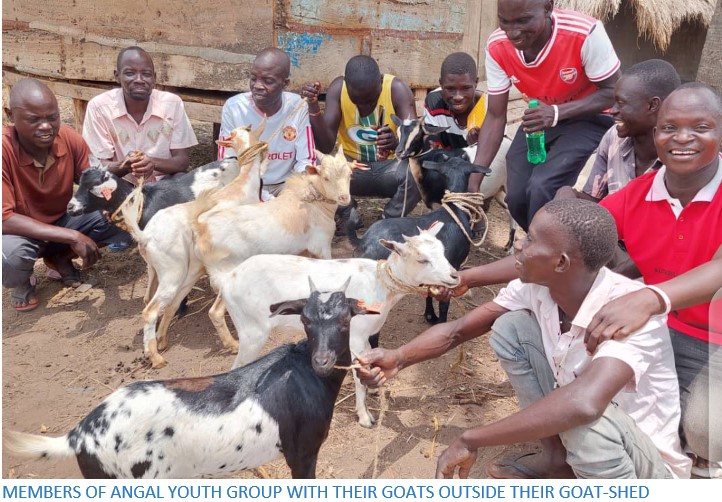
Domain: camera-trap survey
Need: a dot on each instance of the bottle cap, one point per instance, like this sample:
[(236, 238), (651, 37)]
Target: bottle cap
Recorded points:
[(533, 103)]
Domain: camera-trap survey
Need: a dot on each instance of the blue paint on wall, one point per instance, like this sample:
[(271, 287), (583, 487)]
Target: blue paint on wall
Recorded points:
[(300, 44)]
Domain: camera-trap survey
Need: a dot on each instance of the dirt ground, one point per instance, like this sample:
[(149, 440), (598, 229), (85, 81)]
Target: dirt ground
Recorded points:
[(60, 360)]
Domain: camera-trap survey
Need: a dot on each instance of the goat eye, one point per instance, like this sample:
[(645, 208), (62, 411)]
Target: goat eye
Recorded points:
[(424, 262)]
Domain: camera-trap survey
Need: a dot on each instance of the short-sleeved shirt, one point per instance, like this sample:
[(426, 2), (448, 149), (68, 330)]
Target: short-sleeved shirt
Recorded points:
[(614, 165), (651, 397), (41, 192), (665, 239), (111, 132), (288, 133), (437, 113), (578, 54)]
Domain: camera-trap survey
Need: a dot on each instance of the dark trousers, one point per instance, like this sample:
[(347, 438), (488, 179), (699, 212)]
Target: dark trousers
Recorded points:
[(568, 146), (388, 178), (20, 253)]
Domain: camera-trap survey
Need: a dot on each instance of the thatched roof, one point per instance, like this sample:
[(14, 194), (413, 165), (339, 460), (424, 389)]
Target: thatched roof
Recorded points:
[(656, 19)]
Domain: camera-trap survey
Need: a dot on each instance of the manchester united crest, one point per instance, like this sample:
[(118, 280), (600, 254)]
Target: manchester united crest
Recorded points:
[(289, 133), (568, 75)]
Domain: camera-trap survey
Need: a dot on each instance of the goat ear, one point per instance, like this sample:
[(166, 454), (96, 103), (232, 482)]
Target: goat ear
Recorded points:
[(429, 129), (435, 228), (395, 247), (396, 120), (312, 169), (433, 166), (293, 307)]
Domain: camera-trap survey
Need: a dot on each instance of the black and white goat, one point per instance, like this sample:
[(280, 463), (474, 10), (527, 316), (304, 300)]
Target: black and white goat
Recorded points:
[(101, 190), (454, 176), (279, 405), (415, 146)]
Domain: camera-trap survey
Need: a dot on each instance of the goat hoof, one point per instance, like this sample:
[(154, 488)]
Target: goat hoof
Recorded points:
[(162, 344), (367, 421), (232, 347), (431, 319), (157, 362)]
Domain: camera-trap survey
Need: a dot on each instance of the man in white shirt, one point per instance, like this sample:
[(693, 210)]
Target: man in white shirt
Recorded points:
[(611, 415), (287, 129)]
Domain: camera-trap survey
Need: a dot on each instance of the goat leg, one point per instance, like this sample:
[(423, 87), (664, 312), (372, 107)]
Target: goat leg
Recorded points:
[(217, 314), (443, 311), (429, 313)]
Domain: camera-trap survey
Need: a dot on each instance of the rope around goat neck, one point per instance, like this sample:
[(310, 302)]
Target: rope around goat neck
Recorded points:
[(471, 204), (383, 271), (119, 220)]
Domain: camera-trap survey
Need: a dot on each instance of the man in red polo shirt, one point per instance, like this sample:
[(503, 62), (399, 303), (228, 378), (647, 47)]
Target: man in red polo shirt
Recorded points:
[(565, 60), (40, 161), (671, 222)]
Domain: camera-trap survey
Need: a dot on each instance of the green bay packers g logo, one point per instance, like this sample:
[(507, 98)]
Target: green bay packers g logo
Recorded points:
[(362, 135)]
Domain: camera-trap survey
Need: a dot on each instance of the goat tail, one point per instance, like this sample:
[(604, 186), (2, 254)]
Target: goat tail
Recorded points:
[(132, 210), (35, 446)]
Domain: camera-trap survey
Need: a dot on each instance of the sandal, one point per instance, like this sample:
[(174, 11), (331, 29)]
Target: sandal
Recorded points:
[(23, 298), (71, 280), (512, 468), (709, 470)]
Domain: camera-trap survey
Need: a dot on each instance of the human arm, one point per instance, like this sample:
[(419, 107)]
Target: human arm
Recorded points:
[(324, 123), (435, 341), (625, 315), (403, 100), (490, 136), (304, 144), (578, 403), (80, 244), (497, 272)]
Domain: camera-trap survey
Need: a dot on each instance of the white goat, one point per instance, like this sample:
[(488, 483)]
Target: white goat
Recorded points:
[(299, 221), (167, 241), (263, 280)]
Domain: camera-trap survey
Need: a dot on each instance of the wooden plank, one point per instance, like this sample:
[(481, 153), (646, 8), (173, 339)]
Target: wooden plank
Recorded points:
[(488, 22), (417, 62), (79, 108), (51, 55), (472, 34), (413, 16), (205, 112), (236, 26)]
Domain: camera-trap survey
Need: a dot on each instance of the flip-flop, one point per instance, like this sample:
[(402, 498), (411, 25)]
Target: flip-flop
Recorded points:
[(523, 471), (23, 299), (72, 280)]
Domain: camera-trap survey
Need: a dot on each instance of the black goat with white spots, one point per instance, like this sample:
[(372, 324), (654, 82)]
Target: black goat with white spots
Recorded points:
[(279, 405)]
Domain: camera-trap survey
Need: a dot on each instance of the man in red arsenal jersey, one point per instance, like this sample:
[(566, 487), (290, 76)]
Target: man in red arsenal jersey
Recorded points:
[(565, 60)]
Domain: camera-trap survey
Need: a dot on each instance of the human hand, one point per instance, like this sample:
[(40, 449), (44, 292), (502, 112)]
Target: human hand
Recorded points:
[(536, 119), (311, 91), (472, 136), (85, 248), (456, 455), (386, 139), (621, 317), (443, 294), (384, 365), (142, 167)]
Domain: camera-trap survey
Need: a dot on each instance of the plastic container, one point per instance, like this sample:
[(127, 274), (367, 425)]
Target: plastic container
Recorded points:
[(535, 151)]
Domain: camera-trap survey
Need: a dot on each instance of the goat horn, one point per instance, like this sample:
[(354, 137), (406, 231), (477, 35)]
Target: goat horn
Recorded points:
[(313, 286), (345, 284)]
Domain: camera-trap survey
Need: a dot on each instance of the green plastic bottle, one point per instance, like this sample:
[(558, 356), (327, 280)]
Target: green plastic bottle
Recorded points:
[(535, 151)]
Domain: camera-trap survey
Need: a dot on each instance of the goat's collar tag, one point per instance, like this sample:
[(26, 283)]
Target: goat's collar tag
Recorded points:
[(371, 306)]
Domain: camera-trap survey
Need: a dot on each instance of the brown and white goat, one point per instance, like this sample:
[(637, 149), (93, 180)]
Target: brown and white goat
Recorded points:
[(167, 244)]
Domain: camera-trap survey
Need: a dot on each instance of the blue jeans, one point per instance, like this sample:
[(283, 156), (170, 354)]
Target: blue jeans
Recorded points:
[(611, 447)]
